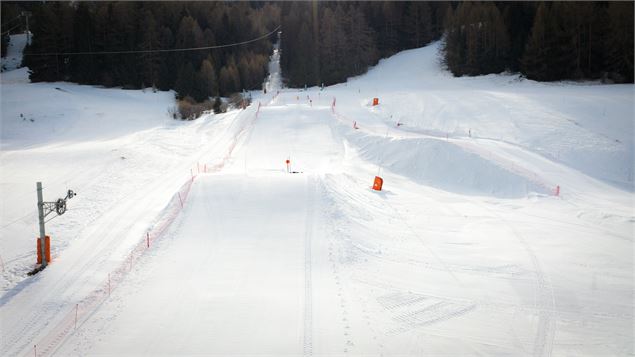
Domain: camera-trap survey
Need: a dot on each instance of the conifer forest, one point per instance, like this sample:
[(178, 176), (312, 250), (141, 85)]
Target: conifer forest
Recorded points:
[(139, 44)]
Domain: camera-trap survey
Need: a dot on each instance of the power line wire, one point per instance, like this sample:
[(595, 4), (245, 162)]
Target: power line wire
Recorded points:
[(11, 29), (150, 51), (10, 21)]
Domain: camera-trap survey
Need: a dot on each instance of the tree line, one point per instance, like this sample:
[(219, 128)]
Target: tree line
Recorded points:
[(70, 27), (326, 42), (322, 43), (545, 41)]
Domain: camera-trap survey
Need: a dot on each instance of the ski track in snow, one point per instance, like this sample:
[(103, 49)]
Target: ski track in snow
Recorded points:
[(308, 285)]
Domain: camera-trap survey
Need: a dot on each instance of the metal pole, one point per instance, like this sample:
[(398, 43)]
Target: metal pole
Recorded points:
[(40, 211)]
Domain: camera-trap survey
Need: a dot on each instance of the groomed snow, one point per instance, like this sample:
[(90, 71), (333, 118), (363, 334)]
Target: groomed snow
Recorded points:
[(466, 250)]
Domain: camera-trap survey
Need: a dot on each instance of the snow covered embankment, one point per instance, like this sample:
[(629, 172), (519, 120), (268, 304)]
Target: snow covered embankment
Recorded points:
[(586, 126)]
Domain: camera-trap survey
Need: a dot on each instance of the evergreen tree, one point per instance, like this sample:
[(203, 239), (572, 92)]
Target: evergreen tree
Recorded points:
[(418, 24), (619, 60), (185, 79), (363, 51), (518, 18), (535, 61), (46, 39), (167, 64), (205, 85), (83, 68), (229, 80), (562, 57), (150, 62)]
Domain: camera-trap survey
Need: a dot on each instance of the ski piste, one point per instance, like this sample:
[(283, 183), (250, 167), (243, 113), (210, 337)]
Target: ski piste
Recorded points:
[(465, 250)]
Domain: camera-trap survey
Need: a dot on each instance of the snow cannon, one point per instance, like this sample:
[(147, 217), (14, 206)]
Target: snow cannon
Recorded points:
[(375, 101), (379, 182)]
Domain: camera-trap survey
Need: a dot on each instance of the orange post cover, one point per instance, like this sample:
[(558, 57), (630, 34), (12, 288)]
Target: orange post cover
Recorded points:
[(375, 101), (47, 249), (379, 182)]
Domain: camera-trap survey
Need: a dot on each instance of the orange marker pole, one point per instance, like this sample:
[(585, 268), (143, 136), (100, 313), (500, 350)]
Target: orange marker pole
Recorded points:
[(378, 183)]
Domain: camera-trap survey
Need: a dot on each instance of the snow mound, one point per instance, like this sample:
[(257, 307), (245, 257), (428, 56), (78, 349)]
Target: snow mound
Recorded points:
[(586, 126), (443, 165)]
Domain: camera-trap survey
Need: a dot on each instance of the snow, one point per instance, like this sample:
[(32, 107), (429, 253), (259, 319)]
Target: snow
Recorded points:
[(588, 127), (465, 251), (13, 59)]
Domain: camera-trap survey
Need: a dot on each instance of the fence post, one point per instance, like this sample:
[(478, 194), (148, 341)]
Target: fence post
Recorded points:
[(148, 239)]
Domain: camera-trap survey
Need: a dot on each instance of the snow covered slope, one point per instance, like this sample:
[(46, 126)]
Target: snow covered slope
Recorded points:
[(13, 59), (466, 250), (114, 147), (586, 126)]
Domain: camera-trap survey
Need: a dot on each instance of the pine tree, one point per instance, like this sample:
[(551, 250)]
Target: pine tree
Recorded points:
[(167, 64), (328, 47), (535, 60), (190, 35), (244, 71), (83, 68), (205, 85), (518, 18), (619, 60), (363, 51), (418, 24), (46, 39), (151, 61), (185, 79), (562, 57), (229, 81)]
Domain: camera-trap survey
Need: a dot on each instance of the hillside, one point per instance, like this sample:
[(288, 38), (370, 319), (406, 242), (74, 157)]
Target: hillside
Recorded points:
[(196, 238)]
